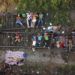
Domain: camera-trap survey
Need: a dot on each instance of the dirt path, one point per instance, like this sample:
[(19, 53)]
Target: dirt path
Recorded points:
[(43, 56)]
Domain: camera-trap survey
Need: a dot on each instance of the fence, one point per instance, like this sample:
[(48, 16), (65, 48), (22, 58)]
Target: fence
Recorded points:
[(8, 32), (7, 20), (8, 39)]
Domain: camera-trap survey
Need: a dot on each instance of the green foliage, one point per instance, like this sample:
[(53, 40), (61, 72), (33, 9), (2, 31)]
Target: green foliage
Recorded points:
[(61, 17), (43, 5), (59, 8), (34, 5)]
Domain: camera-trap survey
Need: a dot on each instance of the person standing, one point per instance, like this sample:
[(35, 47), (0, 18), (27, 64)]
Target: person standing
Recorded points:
[(19, 20), (33, 42), (34, 19), (46, 40), (40, 21), (39, 40), (29, 19)]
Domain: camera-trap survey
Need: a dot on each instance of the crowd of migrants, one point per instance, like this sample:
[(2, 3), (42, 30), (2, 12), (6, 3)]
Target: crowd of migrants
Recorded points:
[(49, 36), (32, 20), (48, 39)]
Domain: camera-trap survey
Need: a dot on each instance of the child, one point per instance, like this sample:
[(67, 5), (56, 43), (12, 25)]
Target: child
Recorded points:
[(33, 42)]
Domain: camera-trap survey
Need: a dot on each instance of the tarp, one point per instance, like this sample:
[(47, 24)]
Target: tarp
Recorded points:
[(14, 57)]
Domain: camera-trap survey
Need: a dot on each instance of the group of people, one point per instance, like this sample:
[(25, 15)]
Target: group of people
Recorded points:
[(14, 38), (49, 40), (32, 20), (50, 37), (46, 39)]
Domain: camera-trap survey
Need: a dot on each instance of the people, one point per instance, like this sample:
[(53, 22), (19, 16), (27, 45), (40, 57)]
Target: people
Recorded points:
[(46, 40), (18, 37), (40, 21), (29, 19), (39, 40), (69, 42), (19, 21), (33, 42), (34, 19)]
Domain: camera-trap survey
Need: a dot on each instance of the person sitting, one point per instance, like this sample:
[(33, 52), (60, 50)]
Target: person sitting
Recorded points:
[(62, 44), (19, 21), (39, 40), (46, 40), (18, 37), (33, 42)]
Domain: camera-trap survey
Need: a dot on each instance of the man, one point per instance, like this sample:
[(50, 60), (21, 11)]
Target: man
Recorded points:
[(19, 21), (29, 19)]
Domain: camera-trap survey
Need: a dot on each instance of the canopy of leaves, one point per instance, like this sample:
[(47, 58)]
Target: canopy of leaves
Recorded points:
[(37, 5), (44, 5), (59, 9)]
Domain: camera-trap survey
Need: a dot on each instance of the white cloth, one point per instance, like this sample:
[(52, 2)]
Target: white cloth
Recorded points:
[(12, 57), (29, 16), (33, 43), (57, 44)]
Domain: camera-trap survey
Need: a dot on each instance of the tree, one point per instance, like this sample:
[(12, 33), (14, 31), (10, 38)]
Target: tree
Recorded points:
[(7, 5), (59, 9), (34, 5)]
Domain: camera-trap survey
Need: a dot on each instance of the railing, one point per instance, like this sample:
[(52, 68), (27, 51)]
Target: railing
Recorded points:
[(8, 21), (9, 29), (7, 40)]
